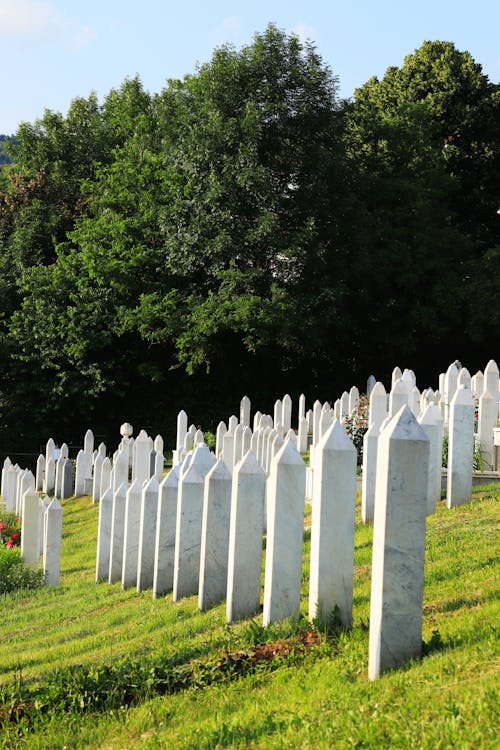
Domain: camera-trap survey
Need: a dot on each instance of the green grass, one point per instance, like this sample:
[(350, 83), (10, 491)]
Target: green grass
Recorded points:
[(319, 699)]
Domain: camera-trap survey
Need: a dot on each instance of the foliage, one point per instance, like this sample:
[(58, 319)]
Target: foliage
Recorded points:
[(10, 529), (15, 574), (243, 230), (356, 424)]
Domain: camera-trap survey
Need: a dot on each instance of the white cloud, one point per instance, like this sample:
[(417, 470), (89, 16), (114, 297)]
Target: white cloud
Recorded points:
[(305, 32), (43, 21), (27, 18)]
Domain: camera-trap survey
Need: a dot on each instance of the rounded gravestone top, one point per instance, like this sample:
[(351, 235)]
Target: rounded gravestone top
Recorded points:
[(126, 430)]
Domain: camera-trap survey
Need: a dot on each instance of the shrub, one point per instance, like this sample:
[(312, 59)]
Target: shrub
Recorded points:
[(15, 574), (356, 424), (10, 529)]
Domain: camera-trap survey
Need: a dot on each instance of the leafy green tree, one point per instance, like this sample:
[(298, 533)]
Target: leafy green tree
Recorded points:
[(423, 150)]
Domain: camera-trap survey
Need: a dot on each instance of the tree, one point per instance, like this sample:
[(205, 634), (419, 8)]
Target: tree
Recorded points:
[(421, 142)]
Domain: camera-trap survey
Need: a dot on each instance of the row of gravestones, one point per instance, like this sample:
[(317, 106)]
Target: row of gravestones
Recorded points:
[(208, 526), (125, 547)]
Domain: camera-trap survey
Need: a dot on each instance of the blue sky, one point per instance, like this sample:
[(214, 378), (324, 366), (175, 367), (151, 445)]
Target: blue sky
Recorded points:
[(54, 50)]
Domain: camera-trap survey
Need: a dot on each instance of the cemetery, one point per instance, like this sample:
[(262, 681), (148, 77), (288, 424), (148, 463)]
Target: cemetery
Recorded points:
[(249, 497), (230, 528)]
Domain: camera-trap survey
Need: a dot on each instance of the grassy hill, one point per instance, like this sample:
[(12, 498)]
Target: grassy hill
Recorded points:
[(155, 674)]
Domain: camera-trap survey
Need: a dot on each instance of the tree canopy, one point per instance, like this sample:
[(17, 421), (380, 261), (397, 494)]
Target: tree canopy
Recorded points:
[(244, 230)]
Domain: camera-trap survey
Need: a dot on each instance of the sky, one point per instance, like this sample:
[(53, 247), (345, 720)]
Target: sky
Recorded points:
[(52, 51)]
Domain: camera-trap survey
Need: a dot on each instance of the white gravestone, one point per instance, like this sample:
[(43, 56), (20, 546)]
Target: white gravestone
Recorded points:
[(278, 414), (215, 536), (228, 449), (80, 473), (105, 476), (302, 408), (245, 539), (30, 528), (491, 381), (117, 533), (49, 450), (131, 534), (182, 423), (396, 375), (332, 527), (120, 470), (52, 543), (486, 422), (398, 545), (88, 449), (159, 466), (256, 420), (398, 397), (40, 473), (353, 399), (188, 534), (219, 435), (142, 451), (460, 448), (285, 529), (147, 534), (302, 437), (432, 429), (96, 487), (377, 411), (104, 536), (10, 489), (163, 578), (245, 411), (286, 413)]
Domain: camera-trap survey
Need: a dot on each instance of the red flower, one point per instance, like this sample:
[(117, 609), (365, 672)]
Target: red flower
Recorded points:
[(15, 535), (10, 544), (2, 525)]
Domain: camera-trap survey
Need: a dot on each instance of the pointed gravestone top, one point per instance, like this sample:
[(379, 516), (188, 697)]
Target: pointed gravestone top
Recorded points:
[(142, 437), (107, 497), (398, 387), (336, 438), (288, 454), (219, 471), (54, 505), (122, 489), (202, 458), (7, 463), (428, 415), (378, 389), (121, 458), (172, 478), (464, 377), (404, 426), (135, 488), (250, 465), (463, 396), (192, 476), (491, 367), (152, 485)]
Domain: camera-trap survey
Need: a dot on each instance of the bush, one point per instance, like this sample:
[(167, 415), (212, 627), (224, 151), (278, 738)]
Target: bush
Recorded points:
[(356, 424), (15, 574), (10, 529)]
